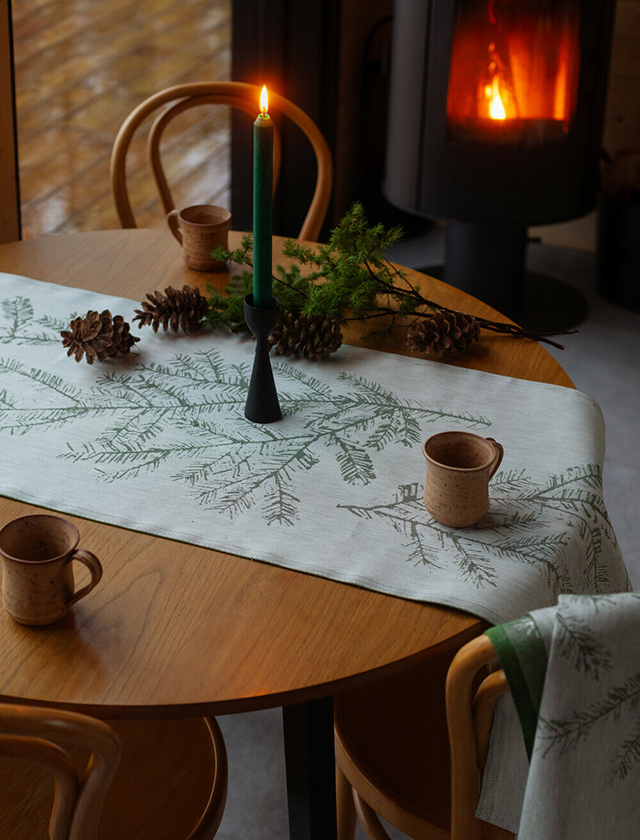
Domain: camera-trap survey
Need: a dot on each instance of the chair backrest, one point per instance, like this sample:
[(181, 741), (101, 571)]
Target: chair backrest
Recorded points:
[(470, 699), (235, 94), (33, 735)]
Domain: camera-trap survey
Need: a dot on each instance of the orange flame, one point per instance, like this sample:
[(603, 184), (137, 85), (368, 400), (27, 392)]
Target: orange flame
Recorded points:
[(264, 100), (496, 106)]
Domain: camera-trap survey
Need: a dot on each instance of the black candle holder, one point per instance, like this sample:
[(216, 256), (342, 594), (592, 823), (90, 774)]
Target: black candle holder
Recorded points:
[(262, 403)]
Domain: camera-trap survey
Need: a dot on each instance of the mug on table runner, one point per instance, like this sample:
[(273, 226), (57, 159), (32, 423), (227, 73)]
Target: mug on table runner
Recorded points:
[(37, 555), (199, 229), (459, 468)]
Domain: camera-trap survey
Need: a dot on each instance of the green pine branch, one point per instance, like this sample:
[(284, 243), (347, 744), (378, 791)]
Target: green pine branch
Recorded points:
[(348, 278)]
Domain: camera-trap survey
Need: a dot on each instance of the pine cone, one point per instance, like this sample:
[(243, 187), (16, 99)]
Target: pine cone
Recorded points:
[(175, 308), (444, 332), (312, 337), (98, 335)]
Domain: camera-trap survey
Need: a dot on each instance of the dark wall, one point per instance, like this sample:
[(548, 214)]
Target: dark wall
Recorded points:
[(292, 46)]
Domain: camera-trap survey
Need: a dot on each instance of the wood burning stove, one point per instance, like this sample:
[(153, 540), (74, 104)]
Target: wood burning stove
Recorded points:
[(495, 124)]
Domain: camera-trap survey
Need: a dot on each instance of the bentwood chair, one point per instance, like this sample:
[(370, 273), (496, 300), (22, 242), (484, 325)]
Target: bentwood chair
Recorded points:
[(174, 101), (32, 736), (395, 759), (130, 780)]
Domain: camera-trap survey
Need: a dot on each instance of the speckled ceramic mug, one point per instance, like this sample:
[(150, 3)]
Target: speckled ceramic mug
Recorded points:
[(200, 229), (37, 555), (460, 466)]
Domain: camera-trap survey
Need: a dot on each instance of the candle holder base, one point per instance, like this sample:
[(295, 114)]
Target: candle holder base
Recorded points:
[(262, 402)]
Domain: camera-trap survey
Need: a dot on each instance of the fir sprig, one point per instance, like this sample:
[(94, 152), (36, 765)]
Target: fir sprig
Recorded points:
[(348, 278)]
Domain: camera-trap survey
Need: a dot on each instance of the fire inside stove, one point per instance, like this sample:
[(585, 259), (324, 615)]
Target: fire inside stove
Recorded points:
[(514, 69)]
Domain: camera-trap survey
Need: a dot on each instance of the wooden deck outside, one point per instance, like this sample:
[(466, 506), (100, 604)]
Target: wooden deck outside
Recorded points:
[(81, 67)]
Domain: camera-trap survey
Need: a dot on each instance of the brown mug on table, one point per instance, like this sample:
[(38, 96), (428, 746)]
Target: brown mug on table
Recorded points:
[(37, 555), (460, 466), (200, 229)]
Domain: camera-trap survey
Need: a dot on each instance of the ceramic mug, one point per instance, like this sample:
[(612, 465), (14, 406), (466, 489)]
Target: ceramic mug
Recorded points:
[(37, 556), (199, 229), (459, 468)]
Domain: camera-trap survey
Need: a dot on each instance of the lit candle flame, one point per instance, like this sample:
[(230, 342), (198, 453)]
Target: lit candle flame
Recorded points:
[(496, 108), (264, 100)]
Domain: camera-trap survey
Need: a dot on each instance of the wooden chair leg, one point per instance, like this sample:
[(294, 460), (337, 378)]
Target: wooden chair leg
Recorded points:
[(345, 808), (369, 819)]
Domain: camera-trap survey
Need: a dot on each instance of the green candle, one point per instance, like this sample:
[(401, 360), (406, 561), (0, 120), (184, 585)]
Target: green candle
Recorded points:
[(262, 193)]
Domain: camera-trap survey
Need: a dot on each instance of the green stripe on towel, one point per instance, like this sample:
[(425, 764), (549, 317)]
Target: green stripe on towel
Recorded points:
[(523, 657)]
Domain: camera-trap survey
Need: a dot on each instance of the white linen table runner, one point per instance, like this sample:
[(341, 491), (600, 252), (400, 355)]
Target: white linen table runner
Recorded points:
[(157, 441)]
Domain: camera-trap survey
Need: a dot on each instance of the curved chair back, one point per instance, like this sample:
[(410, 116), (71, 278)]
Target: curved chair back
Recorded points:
[(33, 735), (178, 99), (469, 717), (170, 784), (393, 756)]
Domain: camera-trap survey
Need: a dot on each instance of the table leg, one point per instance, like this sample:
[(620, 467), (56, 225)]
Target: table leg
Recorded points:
[(310, 764)]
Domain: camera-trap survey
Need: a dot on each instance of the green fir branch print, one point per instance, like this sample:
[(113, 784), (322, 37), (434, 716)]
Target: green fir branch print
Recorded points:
[(6, 400), (603, 603), (407, 515), (510, 532), (422, 552), (626, 757), (575, 497), (166, 413), (355, 464), (592, 701), (578, 644), (235, 488), (18, 311), (620, 704), (19, 316), (475, 564), (281, 506), (55, 324)]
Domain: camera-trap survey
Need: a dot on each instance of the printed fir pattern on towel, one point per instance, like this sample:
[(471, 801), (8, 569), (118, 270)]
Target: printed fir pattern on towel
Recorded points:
[(610, 684)]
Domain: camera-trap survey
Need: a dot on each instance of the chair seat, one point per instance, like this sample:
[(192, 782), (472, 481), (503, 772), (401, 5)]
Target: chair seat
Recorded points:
[(392, 745), (164, 783)]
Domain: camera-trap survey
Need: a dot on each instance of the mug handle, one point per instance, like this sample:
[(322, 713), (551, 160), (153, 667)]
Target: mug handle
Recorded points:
[(497, 459), (172, 219), (93, 564)]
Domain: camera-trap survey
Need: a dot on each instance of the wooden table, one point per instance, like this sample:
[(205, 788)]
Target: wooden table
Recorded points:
[(176, 630)]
